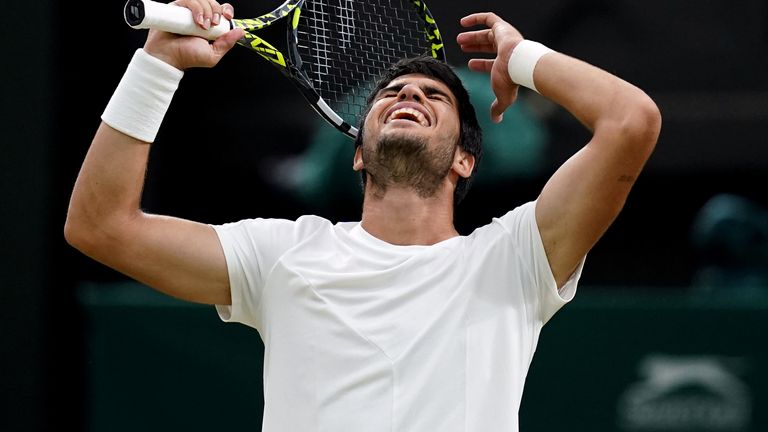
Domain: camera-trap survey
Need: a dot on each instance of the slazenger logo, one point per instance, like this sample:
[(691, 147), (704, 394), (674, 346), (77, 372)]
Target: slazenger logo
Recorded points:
[(687, 393)]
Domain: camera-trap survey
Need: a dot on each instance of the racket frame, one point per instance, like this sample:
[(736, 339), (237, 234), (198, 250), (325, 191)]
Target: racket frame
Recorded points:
[(137, 13)]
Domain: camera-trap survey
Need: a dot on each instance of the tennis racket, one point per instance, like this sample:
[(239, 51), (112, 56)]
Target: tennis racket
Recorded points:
[(335, 50)]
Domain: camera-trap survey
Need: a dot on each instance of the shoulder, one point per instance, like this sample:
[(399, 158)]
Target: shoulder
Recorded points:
[(521, 218), (521, 215), (276, 229), (303, 222), (313, 223)]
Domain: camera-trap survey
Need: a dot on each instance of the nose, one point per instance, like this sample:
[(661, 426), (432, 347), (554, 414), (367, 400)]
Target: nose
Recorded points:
[(410, 92)]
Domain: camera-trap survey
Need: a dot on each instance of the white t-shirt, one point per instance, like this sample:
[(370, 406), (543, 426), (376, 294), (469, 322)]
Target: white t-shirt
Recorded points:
[(362, 335)]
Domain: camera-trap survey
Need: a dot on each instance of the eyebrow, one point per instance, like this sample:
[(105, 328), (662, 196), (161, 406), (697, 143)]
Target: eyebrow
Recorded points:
[(427, 89)]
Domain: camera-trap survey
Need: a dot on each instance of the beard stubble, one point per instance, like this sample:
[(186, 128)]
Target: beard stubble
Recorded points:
[(407, 161)]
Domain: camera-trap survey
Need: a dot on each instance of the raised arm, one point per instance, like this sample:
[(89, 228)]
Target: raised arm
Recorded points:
[(584, 196), (178, 257)]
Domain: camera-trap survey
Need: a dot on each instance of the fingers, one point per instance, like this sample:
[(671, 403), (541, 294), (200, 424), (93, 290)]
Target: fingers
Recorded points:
[(481, 65), (478, 48), (497, 111), (498, 38), (498, 35), (225, 42), (201, 12), (487, 19), (185, 52), (476, 37), (477, 41), (505, 97), (227, 11), (497, 114), (204, 12)]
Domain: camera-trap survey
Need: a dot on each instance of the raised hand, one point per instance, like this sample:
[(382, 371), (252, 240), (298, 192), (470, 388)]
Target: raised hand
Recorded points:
[(184, 52), (498, 38)]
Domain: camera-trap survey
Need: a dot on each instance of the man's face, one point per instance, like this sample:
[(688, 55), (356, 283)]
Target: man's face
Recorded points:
[(411, 134)]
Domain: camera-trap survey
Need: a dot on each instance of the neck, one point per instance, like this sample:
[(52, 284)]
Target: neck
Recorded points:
[(400, 216)]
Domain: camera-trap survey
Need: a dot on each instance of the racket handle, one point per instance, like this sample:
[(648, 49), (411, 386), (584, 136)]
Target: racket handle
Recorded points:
[(147, 14)]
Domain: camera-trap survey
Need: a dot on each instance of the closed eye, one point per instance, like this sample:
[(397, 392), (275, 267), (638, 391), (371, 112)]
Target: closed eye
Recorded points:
[(385, 95), (434, 93)]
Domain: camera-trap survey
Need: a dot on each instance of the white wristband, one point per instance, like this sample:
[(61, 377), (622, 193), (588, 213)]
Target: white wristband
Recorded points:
[(142, 98), (523, 61)]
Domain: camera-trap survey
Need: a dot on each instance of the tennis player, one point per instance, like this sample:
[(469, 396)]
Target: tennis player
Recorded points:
[(396, 322)]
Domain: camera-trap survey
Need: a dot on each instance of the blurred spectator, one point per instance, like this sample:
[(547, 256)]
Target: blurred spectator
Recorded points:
[(730, 235)]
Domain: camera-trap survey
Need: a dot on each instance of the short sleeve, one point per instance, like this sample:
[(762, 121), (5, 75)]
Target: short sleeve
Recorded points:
[(520, 223), (252, 247)]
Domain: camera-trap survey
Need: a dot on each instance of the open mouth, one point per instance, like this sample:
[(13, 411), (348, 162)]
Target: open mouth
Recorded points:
[(409, 114)]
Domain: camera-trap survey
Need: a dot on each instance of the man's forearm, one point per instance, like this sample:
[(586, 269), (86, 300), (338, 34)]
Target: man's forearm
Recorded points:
[(595, 97)]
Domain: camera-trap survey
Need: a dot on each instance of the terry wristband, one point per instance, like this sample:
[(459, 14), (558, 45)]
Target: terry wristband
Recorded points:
[(142, 98), (523, 61)]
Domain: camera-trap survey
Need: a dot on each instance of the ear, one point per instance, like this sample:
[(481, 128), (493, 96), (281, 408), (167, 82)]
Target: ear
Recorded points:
[(357, 161), (463, 162)]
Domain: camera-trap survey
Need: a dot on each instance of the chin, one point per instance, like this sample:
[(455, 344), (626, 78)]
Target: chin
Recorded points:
[(404, 132)]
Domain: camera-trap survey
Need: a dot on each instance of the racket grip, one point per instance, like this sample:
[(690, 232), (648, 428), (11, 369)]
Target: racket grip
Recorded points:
[(148, 14)]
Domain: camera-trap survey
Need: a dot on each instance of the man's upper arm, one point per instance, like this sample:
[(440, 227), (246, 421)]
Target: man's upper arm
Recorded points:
[(178, 257), (584, 196), (588, 191)]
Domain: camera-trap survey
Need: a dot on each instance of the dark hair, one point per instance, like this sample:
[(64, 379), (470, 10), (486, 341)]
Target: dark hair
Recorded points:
[(470, 135)]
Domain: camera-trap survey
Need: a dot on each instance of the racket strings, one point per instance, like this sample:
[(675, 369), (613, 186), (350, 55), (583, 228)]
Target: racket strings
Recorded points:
[(346, 45)]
